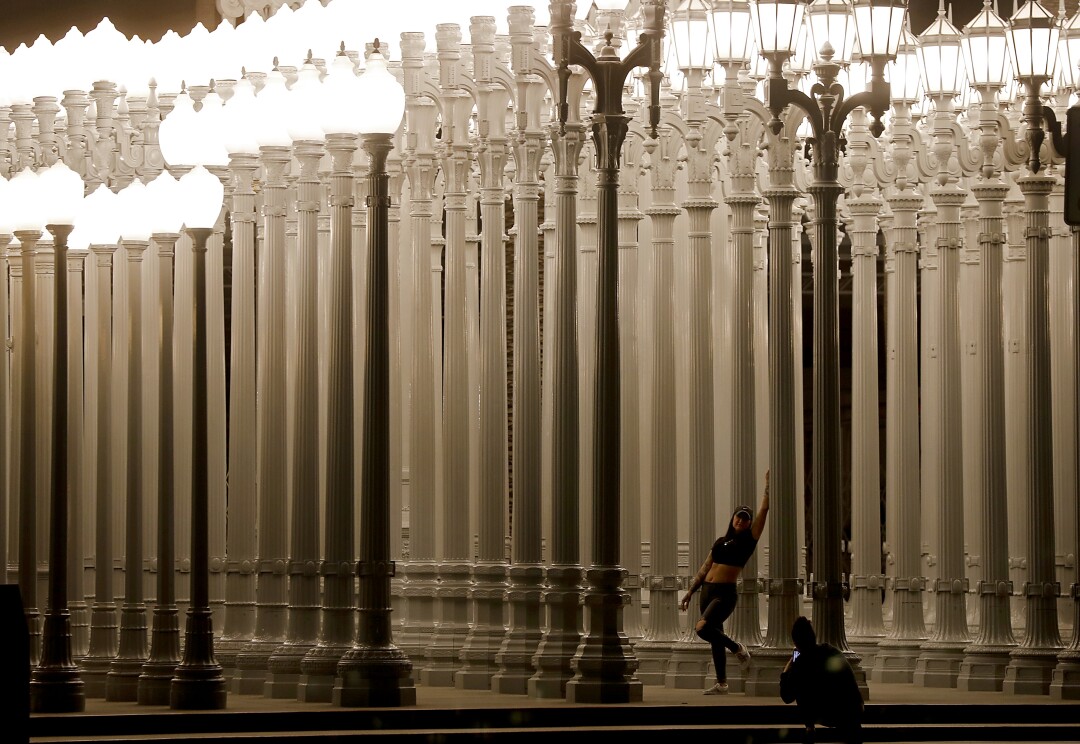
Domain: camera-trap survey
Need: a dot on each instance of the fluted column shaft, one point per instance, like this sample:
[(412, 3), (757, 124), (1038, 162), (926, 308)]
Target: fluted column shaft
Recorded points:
[(55, 685), (421, 572), (5, 403), (319, 666), (374, 672), (157, 672), (1031, 668), (564, 574), (441, 658), (79, 509), (867, 579), (264, 414), (28, 442), (745, 480), (783, 585), (103, 616), (241, 564), (1065, 684), (302, 622), (895, 660), (984, 661), (489, 572), (939, 662), (526, 570), (655, 651), (122, 681)]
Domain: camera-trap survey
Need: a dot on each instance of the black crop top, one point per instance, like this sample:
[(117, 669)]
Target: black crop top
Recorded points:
[(734, 551)]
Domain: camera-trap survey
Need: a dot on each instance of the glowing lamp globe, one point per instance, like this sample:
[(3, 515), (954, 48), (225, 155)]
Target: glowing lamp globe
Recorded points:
[(163, 200), (341, 91), (384, 96), (201, 197), (133, 216), (24, 196), (97, 216), (62, 189), (239, 118)]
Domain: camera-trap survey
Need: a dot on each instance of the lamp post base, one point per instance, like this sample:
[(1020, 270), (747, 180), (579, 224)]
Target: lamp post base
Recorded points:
[(1065, 684), (374, 677), (55, 685), (983, 668), (1030, 671), (198, 683)]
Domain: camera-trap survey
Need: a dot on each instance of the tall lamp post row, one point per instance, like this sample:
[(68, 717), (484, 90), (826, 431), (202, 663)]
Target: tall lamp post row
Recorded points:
[(374, 672)]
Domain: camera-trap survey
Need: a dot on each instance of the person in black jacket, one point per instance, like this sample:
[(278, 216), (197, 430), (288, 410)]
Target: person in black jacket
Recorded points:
[(820, 681)]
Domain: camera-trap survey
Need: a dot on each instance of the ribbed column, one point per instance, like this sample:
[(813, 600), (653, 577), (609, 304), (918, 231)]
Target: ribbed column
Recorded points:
[(746, 482), (421, 571), (122, 681), (586, 320), (80, 510), (657, 664), (337, 625), (564, 574), (241, 567), (103, 616), (783, 584), (526, 570), (866, 580), (264, 414), (302, 614), (1031, 668), (939, 661), (157, 673), (7, 531), (895, 660), (441, 658), (984, 662), (55, 684), (1065, 684), (487, 627), (655, 650), (217, 510), (27, 418), (630, 373), (1017, 417)]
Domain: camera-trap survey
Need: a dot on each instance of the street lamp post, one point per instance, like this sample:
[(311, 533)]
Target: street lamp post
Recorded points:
[(156, 677), (1033, 33), (878, 24), (604, 663), (55, 684), (374, 672), (198, 683)]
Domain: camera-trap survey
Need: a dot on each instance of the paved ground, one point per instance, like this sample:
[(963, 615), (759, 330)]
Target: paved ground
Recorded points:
[(442, 697)]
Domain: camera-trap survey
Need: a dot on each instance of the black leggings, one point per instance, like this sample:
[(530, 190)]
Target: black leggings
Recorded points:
[(713, 632)]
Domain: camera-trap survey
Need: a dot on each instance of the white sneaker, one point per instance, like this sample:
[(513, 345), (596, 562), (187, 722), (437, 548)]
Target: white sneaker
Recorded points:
[(743, 656), (720, 688)]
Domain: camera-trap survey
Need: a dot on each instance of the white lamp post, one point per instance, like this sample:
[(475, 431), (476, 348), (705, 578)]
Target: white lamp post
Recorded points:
[(163, 197), (1033, 36), (27, 224), (122, 681), (375, 672), (98, 220), (55, 685), (198, 683)]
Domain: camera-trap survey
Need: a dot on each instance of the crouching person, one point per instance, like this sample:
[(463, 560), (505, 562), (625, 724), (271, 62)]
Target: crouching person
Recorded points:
[(820, 681)]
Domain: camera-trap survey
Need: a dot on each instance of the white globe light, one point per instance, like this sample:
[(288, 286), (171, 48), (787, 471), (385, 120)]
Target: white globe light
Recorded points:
[(176, 132), (163, 198), (271, 104), (201, 196), (306, 99), (239, 117), (383, 96), (97, 217), (25, 198), (62, 189), (133, 212), (344, 106)]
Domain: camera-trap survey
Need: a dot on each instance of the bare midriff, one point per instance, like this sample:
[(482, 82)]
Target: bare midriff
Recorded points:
[(721, 573)]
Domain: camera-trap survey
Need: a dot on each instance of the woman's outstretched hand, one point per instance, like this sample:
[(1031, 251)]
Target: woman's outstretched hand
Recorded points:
[(685, 603)]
